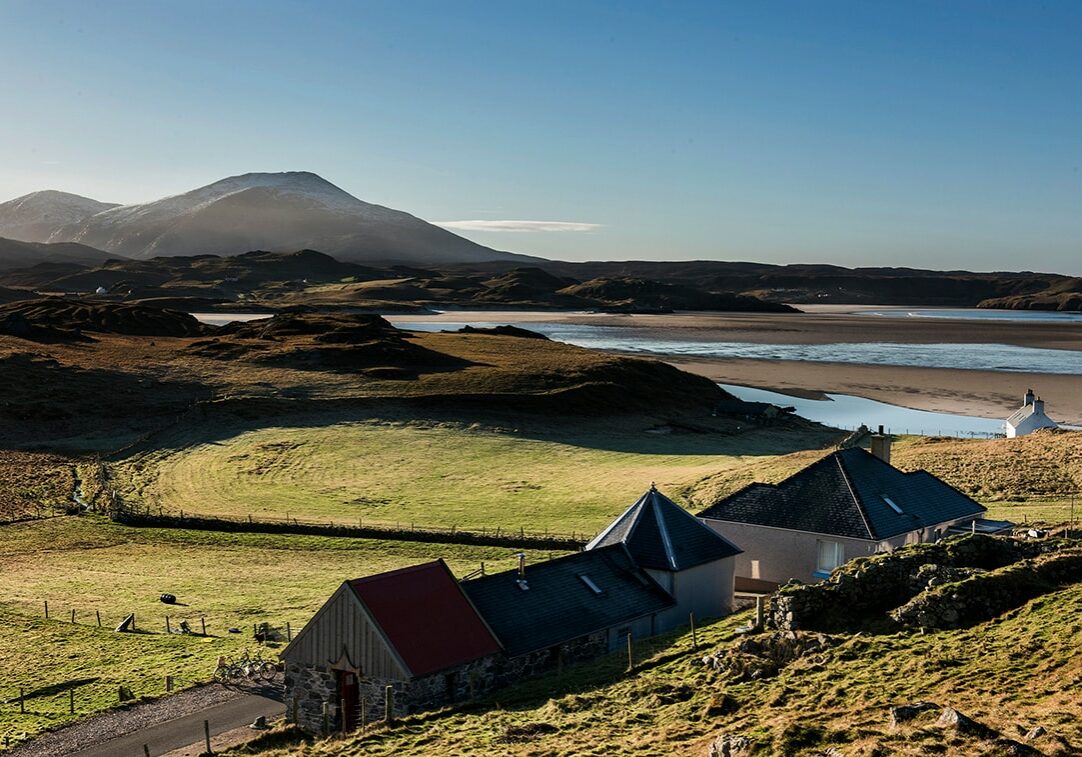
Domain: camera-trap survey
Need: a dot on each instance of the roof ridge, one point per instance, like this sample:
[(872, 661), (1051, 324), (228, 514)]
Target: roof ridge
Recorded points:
[(857, 500), (663, 529), (396, 571)]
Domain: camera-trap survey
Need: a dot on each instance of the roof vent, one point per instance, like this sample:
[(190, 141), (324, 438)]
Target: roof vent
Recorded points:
[(522, 572), (893, 506), (590, 583)]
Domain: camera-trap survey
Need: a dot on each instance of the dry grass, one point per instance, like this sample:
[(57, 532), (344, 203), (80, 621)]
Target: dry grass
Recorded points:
[(34, 484)]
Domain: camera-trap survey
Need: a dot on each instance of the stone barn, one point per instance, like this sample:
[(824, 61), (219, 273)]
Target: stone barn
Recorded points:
[(412, 629), (435, 640)]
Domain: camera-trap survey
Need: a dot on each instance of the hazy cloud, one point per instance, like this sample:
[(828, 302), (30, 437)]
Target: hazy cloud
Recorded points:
[(517, 225)]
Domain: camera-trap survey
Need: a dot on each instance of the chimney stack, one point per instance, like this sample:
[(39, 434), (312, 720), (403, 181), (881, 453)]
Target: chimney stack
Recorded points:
[(521, 581), (881, 446), (1038, 405), (1029, 398)]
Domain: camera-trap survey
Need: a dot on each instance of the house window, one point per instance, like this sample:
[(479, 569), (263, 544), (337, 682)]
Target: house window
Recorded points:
[(829, 556)]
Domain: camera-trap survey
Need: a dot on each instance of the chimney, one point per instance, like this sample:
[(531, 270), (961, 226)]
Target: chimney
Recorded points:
[(881, 446), (1029, 398), (522, 572), (1038, 405)]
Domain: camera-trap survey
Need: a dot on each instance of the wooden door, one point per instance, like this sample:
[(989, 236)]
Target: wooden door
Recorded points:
[(349, 700)]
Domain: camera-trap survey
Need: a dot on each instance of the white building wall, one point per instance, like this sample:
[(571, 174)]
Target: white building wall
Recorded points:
[(706, 590)]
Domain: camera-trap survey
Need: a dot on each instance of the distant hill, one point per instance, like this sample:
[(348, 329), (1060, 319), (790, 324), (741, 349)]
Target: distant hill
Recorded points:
[(1065, 294), (16, 254), (259, 211), (36, 216)]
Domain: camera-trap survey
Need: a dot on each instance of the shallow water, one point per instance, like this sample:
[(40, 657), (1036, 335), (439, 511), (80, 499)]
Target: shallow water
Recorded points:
[(980, 314), (221, 319), (848, 412), (989, 357)]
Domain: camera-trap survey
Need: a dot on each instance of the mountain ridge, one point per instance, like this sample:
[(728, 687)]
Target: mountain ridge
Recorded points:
[(283, 211)]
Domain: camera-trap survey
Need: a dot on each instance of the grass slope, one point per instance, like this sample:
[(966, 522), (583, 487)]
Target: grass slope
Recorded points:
[(442, 474), (1012, 674), (234, 580)]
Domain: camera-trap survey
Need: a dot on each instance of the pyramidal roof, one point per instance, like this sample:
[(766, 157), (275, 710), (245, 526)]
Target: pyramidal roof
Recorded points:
[(660, 534)]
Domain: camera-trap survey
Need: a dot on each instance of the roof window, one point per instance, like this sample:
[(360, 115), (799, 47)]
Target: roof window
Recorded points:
[(590, 583), (890, 502)]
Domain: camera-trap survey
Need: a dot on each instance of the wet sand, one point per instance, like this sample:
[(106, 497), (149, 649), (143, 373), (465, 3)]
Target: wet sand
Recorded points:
[(828, 324), (989, 394)]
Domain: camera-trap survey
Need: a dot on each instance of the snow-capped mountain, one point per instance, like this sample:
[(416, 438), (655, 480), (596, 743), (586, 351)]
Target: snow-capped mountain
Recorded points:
[(36, 216), (275, 212)]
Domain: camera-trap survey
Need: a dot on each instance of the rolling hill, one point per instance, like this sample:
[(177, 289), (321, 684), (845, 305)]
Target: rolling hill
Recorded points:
[(34, 217), (16, 254)]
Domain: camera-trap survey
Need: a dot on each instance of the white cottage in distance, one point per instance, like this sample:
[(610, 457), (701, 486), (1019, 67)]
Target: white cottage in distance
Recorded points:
[(1029, 418)]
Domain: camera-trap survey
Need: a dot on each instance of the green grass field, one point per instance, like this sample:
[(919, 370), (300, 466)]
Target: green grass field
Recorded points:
[(233, 580), (440, 474)]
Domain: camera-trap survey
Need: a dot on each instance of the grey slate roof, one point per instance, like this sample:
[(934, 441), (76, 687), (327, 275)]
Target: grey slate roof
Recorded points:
[(843, 495), (661, 535), (559, 606)]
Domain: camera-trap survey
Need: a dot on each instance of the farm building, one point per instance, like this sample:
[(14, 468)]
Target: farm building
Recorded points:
[(1029, 418), (850, 503), (434, 640), (693, 563)]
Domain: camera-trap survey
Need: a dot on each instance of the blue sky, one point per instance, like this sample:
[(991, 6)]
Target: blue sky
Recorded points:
[(935, 134)]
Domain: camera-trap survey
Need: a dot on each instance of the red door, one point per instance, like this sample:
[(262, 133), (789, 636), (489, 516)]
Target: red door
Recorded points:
[(349, 700)]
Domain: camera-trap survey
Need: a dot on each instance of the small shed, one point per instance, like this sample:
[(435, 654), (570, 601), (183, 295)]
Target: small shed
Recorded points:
[(412, 629)]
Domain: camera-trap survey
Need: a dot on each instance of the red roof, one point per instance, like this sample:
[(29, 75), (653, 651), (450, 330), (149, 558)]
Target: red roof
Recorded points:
[(426, 617)]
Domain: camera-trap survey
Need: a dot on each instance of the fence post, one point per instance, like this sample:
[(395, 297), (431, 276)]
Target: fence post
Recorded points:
[(206, 732), (694, 635), (73, 616), (204, 622), (146, 751), (22, 701), (98, 613), (388, 704), (630, 660), (759, 612), (71, 701), (168, 684), (46, 609), (289, 632), (168, 628)]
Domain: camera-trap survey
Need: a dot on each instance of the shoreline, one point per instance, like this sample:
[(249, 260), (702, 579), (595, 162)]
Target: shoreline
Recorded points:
[(980, 393)]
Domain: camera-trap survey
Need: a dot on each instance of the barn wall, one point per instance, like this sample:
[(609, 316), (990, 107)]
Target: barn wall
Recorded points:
[(343, 624)]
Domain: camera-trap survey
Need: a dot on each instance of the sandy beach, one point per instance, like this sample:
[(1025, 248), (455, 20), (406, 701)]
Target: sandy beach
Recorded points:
[(989, 394)]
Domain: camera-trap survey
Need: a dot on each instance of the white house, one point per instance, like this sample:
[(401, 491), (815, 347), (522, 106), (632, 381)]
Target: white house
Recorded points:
[(1029, 417)]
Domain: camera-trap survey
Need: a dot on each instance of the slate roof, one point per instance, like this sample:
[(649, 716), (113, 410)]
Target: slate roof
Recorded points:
[(426, 617), (559, 605), (844, 495), (660, 534)]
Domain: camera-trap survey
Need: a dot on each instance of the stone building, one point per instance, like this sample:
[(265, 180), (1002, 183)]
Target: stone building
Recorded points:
[(432, 640), (411, 629), (850, 503)]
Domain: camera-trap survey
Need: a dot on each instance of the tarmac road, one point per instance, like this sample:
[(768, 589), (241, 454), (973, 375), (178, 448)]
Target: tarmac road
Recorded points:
[(186, 730)]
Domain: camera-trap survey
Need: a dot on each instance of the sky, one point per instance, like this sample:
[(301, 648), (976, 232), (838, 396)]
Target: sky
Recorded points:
[(928, 134)]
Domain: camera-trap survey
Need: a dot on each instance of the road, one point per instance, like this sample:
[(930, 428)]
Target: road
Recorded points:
[(186, 730)]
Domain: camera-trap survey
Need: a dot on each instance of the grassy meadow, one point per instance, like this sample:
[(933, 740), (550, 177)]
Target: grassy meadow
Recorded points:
[(444, 474), (90, 565)]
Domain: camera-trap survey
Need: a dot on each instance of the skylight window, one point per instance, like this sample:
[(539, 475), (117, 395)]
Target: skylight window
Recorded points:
[(893, 506), (590, 584)]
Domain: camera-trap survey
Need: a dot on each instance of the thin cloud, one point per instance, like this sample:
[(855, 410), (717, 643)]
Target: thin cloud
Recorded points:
[(518, 226)]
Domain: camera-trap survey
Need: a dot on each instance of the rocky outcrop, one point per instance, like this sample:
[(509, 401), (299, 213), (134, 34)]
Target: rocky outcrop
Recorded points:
[(869, 589), (762, 656)]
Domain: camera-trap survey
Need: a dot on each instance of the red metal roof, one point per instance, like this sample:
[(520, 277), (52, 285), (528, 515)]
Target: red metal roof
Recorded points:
[(426, 617)]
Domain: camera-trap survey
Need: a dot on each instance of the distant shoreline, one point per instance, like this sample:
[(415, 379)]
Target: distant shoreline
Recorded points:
[(988, 394)]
